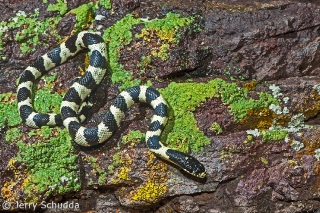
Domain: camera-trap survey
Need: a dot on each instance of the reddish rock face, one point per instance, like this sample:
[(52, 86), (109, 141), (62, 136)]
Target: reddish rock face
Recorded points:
[(271, 43)]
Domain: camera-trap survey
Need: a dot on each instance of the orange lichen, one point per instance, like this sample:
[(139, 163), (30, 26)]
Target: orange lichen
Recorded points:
[(310, 105), (312, 111), (260, 119), (310, 145), (250, 86), (7, 191)]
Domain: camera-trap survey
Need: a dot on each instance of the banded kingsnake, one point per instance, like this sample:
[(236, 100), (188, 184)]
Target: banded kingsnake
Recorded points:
[(81, 88)]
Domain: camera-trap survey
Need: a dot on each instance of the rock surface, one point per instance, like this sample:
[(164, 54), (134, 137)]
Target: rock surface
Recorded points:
[(263, 46)]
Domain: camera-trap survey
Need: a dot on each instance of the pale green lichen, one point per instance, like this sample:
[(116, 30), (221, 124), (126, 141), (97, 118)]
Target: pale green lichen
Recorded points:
[(285, 100), (297, 145), (285, 110), (317, 88), (278, 131), (296, 123), (271, 134), (276, 108), (276, 91), (317, 154), (253, 132)]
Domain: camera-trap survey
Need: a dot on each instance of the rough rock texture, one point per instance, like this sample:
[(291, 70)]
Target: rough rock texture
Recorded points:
[(269, 42)]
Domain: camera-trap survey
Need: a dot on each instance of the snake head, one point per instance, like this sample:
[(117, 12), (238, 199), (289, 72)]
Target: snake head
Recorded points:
[(188, 163)]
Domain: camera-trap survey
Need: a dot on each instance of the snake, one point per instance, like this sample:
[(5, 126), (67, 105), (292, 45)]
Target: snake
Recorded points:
[(81, 88)]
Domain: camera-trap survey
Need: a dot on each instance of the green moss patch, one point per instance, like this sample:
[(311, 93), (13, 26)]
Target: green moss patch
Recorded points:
[(85, 13), (29, 29), (9, 110), (45, 100), (13, 134), (97, 170), (59, 6), (274, 134), (215, 127), (51, 164), (239, 102), (106, 3), (166, 30), (183, 98), (133, 137), (119, 35)]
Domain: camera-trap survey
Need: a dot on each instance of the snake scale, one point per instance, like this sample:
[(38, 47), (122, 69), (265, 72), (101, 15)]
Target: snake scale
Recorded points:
[(83, 87)]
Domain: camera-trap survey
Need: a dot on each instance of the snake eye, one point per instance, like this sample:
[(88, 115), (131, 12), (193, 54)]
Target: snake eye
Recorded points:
[(194, 167), (188, 163)]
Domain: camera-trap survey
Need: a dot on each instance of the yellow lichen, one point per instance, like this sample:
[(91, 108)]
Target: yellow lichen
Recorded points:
[(149, 192), (123, 174), (152, 190), (7, 191), (162, 52), (26, 182), (11, 163), (164, 35)]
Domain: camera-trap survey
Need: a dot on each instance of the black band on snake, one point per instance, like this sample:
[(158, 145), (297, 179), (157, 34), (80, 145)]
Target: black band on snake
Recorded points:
[(81, 88)]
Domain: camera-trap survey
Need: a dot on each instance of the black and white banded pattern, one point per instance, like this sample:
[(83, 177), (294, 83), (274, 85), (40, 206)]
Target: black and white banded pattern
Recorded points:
[(73, 101), (55, 57)]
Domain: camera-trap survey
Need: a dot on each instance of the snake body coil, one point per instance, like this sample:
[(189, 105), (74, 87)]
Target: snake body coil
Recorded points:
[(79, 91)]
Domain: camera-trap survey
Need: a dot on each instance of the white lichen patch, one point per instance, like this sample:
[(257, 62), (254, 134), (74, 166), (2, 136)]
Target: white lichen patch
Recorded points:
[(64, 179), (296, 123), (253, 132), (100, 18), (285, 100), (275, 91), (297, 145), (21, 13), (285, 110), (317, 154), (275, 108), (317, 88), (286, 139)]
